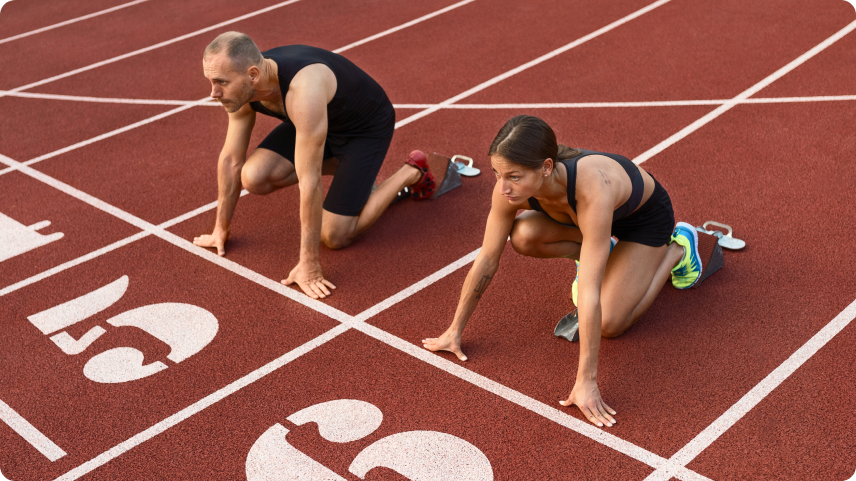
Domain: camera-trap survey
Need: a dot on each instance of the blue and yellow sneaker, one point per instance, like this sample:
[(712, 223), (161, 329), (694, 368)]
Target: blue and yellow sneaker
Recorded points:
[(575, 285), (688, 271)]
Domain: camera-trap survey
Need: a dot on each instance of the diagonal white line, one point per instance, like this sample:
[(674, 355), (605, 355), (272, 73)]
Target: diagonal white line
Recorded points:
[(152, 47), (527, 65), (759, 392), (108, 248), (69, 22), (30, 433), (743, 95), (402, 26), (103, 100), (178, 241)]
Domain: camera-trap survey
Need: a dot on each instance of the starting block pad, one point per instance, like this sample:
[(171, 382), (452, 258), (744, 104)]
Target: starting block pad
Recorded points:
[(568, 327), (447, 171), (711, 256)]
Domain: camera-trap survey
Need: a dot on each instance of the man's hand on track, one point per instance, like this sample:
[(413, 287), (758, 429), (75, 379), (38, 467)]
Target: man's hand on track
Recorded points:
[(308, 276), (216, 239)]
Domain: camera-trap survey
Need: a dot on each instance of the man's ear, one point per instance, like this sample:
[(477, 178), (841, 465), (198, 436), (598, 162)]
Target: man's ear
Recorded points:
[(254, 73)]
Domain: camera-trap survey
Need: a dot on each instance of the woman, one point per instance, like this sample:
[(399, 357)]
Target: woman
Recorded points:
[(575, 201)]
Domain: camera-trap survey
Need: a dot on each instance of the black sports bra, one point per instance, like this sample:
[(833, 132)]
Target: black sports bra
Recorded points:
[(624, 210)]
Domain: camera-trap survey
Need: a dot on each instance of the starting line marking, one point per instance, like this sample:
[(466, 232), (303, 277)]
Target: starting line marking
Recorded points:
[(30, 433), (69, 22)]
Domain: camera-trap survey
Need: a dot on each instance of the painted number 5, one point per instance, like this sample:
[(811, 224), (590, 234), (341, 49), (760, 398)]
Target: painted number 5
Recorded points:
[(187, 329)]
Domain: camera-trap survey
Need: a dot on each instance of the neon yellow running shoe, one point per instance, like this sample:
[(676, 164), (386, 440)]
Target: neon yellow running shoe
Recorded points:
[(688, 271), (575, 285)]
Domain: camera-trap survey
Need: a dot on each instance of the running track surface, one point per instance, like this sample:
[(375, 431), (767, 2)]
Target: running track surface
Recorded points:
[(167, 362)]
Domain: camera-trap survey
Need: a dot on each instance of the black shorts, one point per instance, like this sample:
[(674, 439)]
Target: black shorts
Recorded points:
[(652, 224), (360, 159)]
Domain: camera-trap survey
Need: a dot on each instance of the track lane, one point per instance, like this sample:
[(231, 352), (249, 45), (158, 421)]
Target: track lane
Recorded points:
[(22, 17), (682, 50)]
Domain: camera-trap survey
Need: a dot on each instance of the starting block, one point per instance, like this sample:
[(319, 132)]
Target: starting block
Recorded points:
[(568, 327), (447, 171), (710, 244)]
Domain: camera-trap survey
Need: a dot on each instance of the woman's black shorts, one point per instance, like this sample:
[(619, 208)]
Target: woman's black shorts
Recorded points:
[(652, 224), (360, 159)]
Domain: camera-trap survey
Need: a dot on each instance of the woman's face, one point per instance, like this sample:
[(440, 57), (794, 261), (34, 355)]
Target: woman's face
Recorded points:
[(518, 183)]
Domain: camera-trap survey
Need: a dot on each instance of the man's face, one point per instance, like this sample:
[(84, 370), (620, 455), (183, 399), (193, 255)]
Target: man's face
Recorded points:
[(232, 89)]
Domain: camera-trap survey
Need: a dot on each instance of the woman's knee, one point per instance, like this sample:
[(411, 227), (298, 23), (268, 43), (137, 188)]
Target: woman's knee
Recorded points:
[(524, 237), (612, 327)]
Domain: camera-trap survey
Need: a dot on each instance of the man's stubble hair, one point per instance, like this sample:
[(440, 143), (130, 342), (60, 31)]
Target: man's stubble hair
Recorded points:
[(238, 47)]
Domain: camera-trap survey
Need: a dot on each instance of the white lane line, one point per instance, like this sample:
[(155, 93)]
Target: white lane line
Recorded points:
[(177, 241), (103, 100), (564, 105), (200, 405), (69, 22), (559, 417), (759, 392), (743, 95), (404, 294), (99, 252), (222, 24), (403, 26), (152, 47), (118, 131), (532, 63), (74, 262), (30, 433)]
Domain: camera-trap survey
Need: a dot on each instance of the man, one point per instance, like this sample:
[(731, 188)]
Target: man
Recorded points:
[(336, 120)]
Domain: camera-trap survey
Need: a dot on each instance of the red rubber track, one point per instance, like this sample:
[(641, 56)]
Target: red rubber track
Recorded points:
[(22, 17), (781, 174)]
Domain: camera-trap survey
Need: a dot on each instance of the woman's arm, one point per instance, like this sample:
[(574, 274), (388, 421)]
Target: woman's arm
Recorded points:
[(498, 227), (595, 204)]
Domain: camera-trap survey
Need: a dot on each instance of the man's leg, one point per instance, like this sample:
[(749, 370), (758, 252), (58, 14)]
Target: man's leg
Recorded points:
[(267, 171), (338, 231)]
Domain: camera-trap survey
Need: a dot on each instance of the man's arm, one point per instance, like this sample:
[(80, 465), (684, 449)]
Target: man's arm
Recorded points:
[(306, 103), (232, 159)]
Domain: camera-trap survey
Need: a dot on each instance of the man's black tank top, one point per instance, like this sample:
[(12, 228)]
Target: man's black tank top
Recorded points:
[(360, 107), (624, 210)]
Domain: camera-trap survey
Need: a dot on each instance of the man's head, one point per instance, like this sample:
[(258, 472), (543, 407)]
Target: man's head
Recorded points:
[(232, 63)]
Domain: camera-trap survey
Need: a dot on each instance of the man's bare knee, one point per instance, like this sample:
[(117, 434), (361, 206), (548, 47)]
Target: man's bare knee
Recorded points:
[(336, 241), (252, 180)]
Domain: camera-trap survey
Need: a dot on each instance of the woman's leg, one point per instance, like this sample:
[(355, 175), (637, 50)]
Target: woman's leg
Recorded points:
[(634, 275), (536, 235)]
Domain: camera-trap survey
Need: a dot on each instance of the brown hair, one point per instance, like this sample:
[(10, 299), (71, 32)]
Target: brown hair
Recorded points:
[(239, 47), (528, 141)]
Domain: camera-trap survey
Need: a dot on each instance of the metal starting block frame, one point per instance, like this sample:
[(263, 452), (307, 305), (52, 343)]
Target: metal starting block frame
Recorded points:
[(447, 172)]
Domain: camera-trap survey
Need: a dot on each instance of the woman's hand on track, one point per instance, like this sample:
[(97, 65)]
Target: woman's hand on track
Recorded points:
[(446, 342), (216, 239), (586, 396), (309, 277)]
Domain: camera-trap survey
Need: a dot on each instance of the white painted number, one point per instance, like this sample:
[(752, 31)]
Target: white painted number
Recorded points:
[(185, 328), (416, 455), (16, 238)]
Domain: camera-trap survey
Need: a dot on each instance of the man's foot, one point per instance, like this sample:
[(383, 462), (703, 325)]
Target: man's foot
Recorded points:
[(688, 271), (575, 286), (424, 187)]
